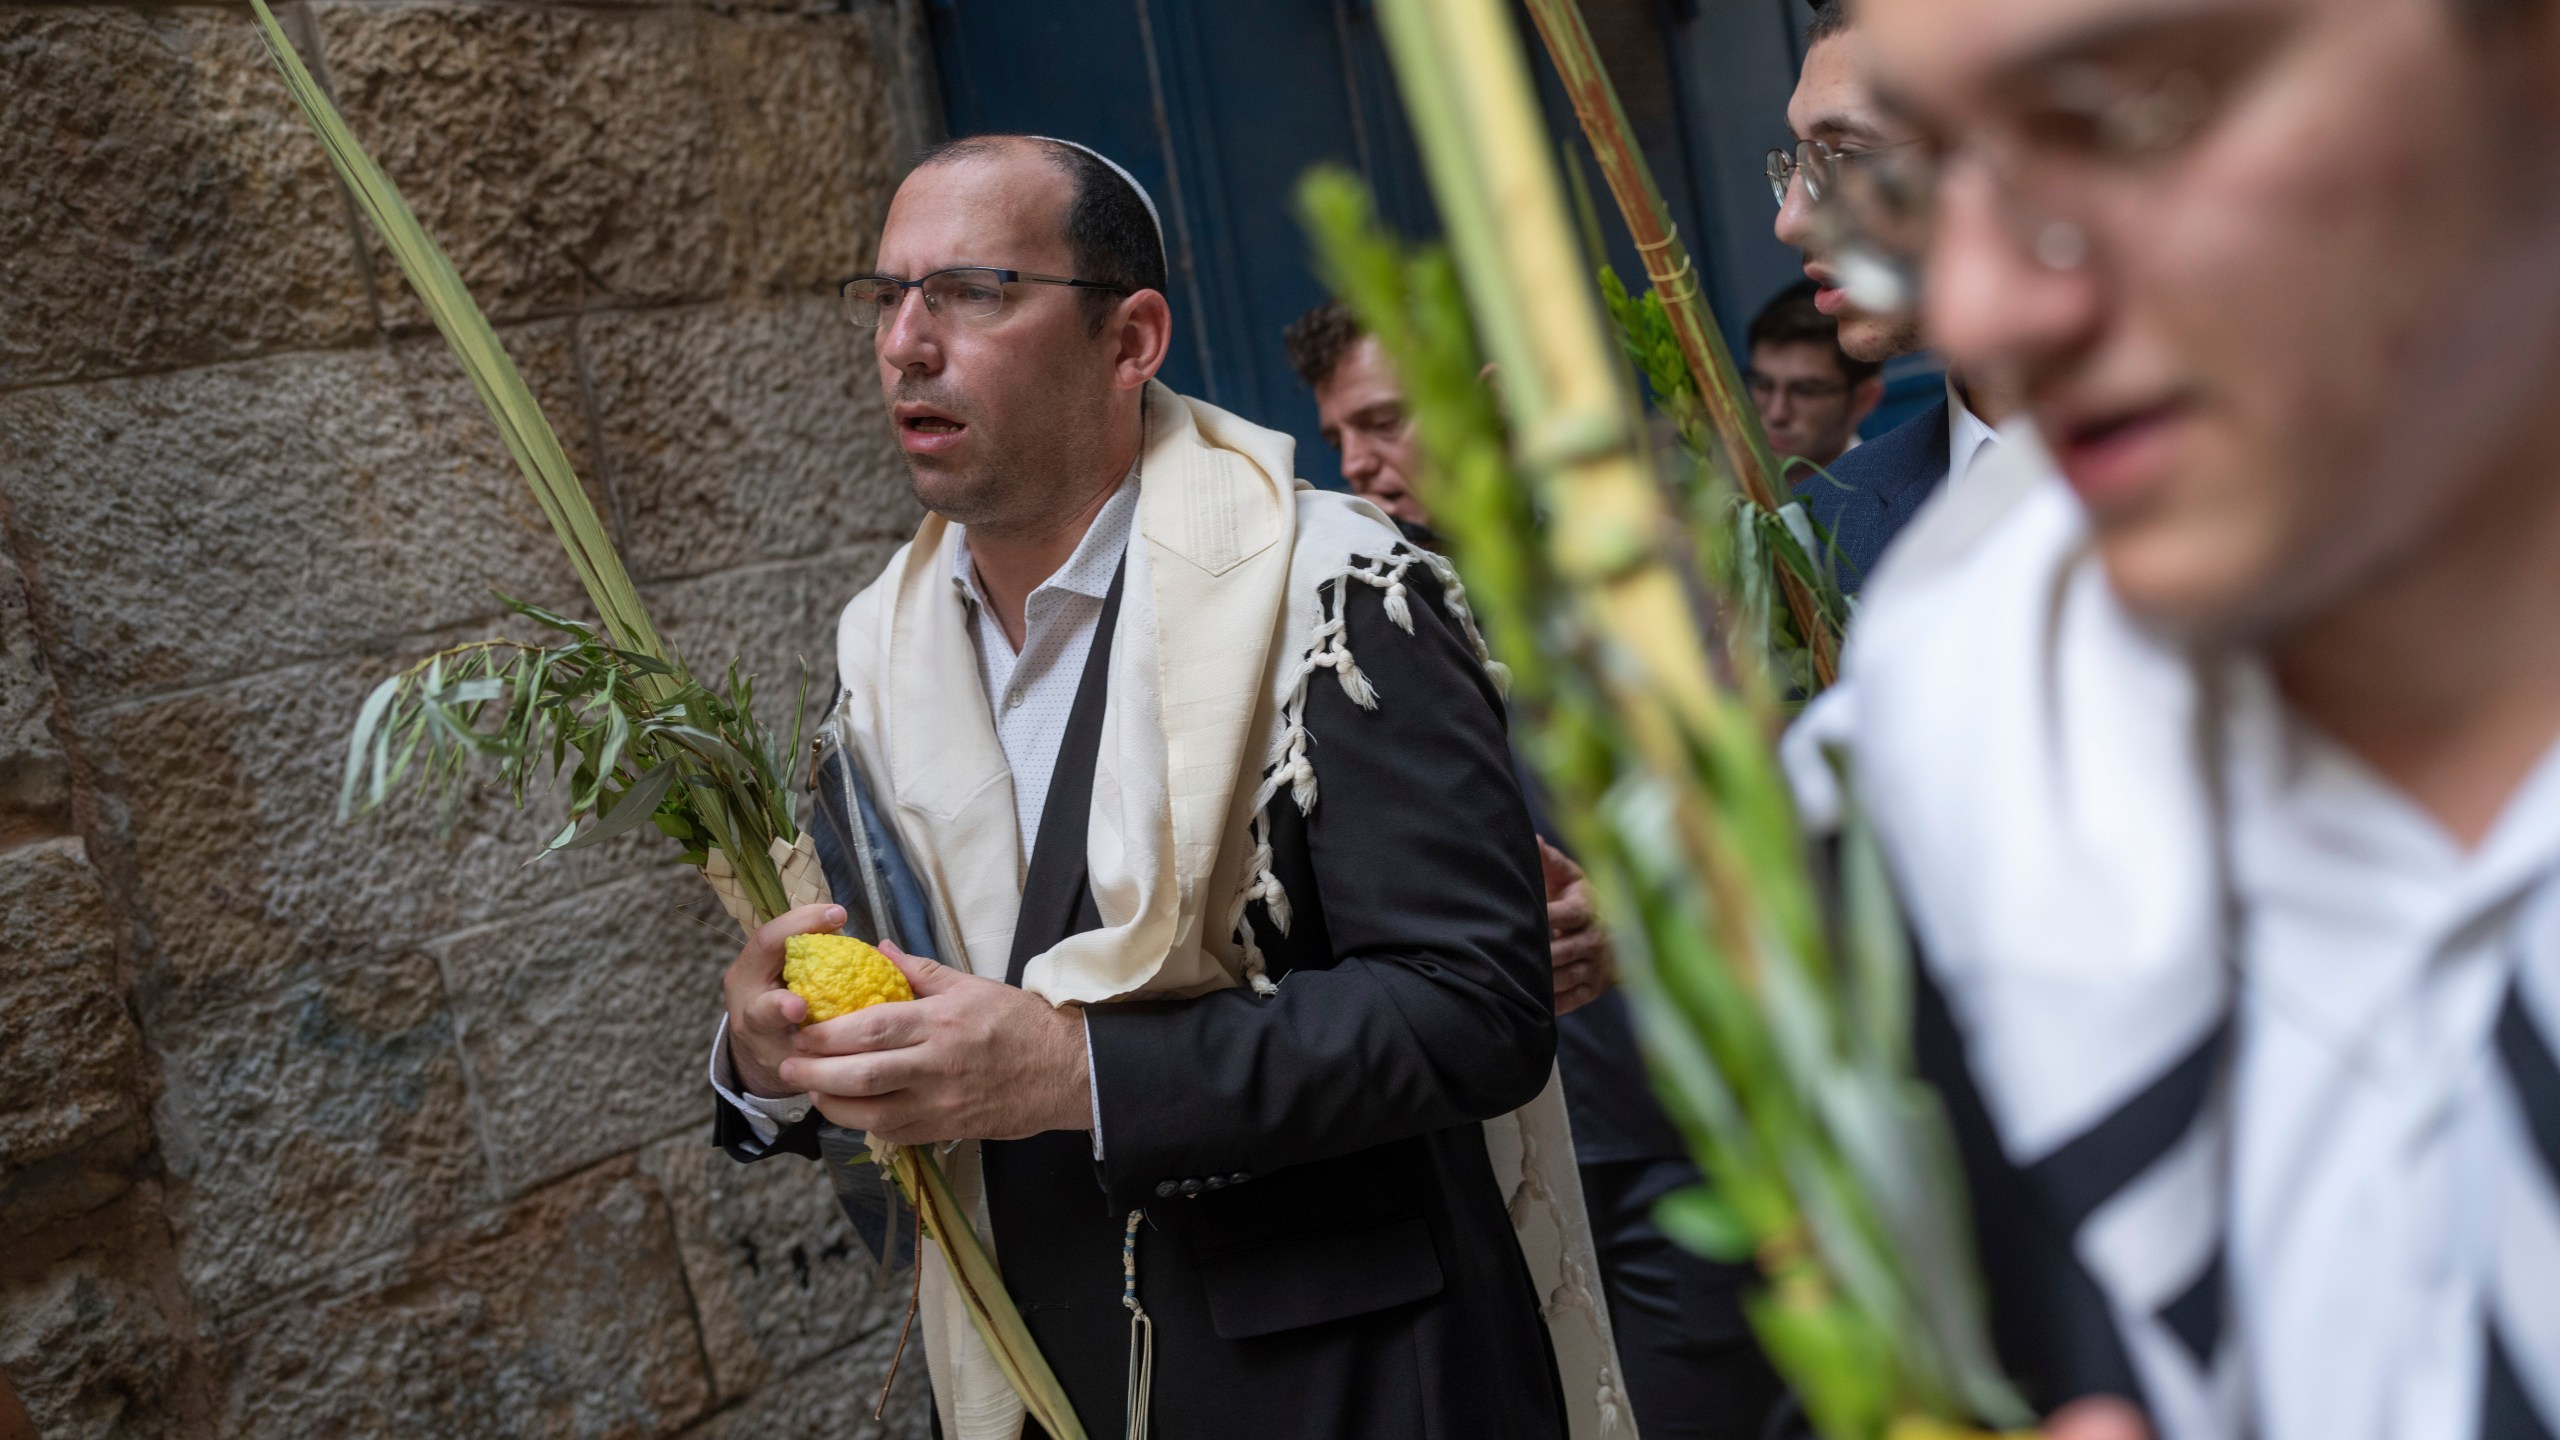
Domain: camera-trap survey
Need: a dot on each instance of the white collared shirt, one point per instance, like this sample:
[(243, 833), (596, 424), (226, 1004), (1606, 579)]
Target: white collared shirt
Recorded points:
[(2369, 1119), (1031, 692), (1969, 437)]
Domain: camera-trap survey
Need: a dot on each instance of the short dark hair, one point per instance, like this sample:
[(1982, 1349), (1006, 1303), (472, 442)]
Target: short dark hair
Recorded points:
[(1110, 232), (1318, 340), (1793, 319), (1830, 17)]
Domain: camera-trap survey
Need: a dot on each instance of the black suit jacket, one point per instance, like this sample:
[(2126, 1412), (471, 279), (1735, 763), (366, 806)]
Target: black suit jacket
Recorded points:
[(1326, 1251), (1874, 490)]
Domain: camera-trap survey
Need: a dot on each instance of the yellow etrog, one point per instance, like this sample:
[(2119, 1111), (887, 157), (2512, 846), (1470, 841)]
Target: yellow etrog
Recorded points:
[(838, 975)]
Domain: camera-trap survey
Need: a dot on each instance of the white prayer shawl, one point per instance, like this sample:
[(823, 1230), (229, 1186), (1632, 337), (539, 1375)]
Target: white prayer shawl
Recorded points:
[(2040, 773), (1200, 731)]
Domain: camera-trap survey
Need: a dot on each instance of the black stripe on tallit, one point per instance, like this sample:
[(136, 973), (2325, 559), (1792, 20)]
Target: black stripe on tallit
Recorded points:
[(2091, 1167), (2506, 1411), (2052, 1325), (2195, 1316), (2535, 1076)]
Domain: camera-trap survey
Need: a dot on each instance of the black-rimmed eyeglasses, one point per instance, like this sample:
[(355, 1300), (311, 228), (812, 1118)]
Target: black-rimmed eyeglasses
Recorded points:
[(970, 292)]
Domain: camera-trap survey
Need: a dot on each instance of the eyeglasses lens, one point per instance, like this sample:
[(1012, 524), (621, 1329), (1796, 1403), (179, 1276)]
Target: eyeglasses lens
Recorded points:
[(966, 294)]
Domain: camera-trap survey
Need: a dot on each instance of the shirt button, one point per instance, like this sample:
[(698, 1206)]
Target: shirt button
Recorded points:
[(796, 1114), (1013, 701)]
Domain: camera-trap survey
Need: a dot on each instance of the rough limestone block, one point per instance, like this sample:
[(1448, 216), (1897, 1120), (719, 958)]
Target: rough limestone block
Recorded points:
[(310, 1128), (775, 619), (161, 203), (565, 158), (67, 1047), (832, 1396), (35, 776), (743, 434), (565, 1315), (779, 1278), (213, 522), (586, 1022), (811, 153), (86, 1347), (248, 880)]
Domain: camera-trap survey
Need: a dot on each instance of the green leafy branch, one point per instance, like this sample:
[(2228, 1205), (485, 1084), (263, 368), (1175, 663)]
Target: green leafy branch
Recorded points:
[(1772, 1002), (1752, 546), (640, 740)]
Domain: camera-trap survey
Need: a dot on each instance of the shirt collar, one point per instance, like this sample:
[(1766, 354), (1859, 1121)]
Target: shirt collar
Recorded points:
[(1968, 435), (1088, 570)]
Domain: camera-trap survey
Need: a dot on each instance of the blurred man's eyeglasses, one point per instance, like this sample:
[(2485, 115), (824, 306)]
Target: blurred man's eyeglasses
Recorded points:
[(1817, 162), (968, 292), (1764, 388), (2059, 166)]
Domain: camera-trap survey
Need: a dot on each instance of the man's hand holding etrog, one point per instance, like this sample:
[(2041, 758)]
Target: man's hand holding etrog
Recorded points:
[(763, 1016), (968, 1059)]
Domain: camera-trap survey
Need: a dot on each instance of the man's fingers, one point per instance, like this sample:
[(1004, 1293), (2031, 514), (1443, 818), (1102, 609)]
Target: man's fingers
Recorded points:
[(1558, 868), (759, 962), (875, 1073), (772, 1012), (924, 976), (1570, 911), (891, 1026), (890, 1117)]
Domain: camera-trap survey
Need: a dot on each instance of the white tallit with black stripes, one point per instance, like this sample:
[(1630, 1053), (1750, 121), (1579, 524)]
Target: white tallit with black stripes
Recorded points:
[(2271, 1050)]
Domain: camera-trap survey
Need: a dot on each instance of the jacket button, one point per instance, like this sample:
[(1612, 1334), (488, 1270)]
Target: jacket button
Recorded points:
[(1238, 1178), (1190, 1187), (1216, 1182), (1165, 1188)]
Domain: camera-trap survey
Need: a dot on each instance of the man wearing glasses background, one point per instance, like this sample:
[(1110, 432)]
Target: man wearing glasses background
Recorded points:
[(2222, 777), (1810, 394), (1875, 490)]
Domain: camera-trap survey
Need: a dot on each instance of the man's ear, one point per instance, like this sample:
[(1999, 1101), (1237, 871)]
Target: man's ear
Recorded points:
[(1864, 397), (1142, 325)]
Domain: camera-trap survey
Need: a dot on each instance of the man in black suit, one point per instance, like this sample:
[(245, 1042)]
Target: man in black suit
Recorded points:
[(1693, 1370), (1282, 1120), (1872, 491)]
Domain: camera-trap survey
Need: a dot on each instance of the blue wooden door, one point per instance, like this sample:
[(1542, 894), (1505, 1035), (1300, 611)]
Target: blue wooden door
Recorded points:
[(1218, 106)]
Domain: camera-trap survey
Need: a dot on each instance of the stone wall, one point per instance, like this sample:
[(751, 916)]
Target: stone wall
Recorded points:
[(374, 1129)]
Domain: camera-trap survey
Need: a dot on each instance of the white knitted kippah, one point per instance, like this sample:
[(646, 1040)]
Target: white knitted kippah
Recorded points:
[(1144, 198)]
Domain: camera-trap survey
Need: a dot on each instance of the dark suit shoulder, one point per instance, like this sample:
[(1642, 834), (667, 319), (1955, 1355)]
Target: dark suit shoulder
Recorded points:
[(1867, 495)]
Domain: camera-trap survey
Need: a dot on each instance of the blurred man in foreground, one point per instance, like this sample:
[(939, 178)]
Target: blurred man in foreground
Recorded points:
[(1693, 1370), (1810, 394), (2221, 775), (1871, 495)]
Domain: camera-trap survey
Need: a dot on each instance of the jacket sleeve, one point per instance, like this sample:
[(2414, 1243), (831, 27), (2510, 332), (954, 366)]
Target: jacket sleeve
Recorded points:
[(1436, 1008)]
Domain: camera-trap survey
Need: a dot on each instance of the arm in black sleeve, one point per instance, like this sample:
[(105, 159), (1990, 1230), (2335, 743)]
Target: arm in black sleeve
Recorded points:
[(1432, 1006)]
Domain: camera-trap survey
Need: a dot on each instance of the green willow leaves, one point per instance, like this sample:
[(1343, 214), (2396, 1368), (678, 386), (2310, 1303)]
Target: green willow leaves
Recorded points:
[(641, 741)]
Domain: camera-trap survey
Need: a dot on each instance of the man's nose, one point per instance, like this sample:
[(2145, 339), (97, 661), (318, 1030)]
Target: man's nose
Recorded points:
[(1994, 307), (1795, 215), (1359, 458), (908, 338)]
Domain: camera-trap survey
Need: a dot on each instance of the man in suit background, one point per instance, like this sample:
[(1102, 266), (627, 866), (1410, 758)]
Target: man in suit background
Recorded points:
[(1874, 489), (1693, 1371), (1811, 394)]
